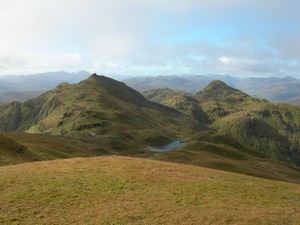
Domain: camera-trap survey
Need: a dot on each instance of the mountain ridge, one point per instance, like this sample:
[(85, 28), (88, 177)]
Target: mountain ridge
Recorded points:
[(269, 127), (107, 108), (95, 105), (273, 88)]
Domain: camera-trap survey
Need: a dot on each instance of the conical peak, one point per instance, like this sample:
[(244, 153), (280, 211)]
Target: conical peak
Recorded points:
[(216, 85)]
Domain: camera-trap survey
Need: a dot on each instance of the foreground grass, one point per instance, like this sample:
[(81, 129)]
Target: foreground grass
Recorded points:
[(124, 190)]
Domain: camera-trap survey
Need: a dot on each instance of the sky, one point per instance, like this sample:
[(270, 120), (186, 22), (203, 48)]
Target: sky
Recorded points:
[(151, 37)]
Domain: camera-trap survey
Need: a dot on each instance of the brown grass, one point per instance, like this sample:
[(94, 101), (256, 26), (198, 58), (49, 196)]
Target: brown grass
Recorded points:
[(124, 190)]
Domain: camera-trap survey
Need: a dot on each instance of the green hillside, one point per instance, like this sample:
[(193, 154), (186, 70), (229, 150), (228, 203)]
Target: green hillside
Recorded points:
[(19, 147), (157, 95), (188, 106), (11, 152), (205, 149), (180, 101), (214, 150), (272, 128), (123, 190), (101, 116), (96, 105)]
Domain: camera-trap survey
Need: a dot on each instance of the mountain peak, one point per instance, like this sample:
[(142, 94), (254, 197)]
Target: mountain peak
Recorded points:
[(101, 81), (118, 90), (218, 90), (216, 85), (94, 76)]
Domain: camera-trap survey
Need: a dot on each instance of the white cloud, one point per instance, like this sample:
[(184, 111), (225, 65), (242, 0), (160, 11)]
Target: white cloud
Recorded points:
[(23, 62), (109, 65), (118, 36), (236, 61)]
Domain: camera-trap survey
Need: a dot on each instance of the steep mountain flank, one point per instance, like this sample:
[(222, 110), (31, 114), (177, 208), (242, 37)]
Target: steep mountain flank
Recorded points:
[(97, 105), (187, 105), (180, 101), (272, 128), (157, 95)]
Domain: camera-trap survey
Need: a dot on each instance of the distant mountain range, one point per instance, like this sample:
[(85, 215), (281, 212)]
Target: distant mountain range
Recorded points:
[(285, 89), (8, 97), (39, 82), (20, 88), (23, 87)]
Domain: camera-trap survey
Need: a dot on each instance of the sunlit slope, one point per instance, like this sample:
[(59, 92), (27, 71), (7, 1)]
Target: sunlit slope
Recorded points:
[(206, 149), (122, 190), (98, 105), (18, 147), (11, 152), (272, 128), (214, 150)]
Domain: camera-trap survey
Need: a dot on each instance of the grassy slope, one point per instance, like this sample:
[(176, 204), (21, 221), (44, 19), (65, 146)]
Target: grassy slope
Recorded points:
[(269, 127), (206, 149), (39, 147), (122, 190), (96, 105), (181, 101), (133, 123), (11, 152), (157, 95), (213, 150)]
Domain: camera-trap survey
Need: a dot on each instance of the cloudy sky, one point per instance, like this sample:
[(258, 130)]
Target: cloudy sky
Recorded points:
[(151, 37)]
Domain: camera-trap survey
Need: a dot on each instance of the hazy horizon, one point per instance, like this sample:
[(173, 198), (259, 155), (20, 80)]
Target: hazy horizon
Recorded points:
[(141, 38), (129, 76)]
